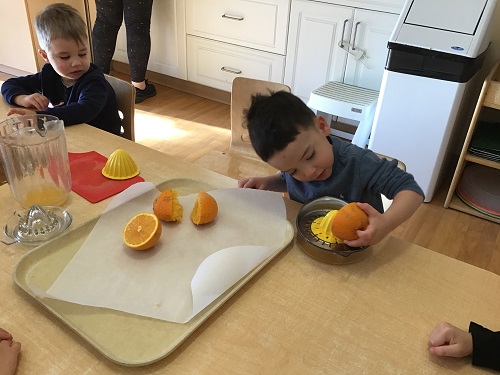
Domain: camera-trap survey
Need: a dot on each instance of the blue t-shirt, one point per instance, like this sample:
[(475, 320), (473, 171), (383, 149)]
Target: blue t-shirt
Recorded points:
[(358, 175)]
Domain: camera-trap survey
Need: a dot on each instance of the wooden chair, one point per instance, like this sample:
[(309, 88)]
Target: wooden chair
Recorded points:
[(241, 160), (385, 201), (125, 96), (401, 165)]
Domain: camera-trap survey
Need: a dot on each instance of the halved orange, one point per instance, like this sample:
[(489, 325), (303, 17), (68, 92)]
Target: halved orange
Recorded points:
[(142, 231), (167, 207), (205, 209)]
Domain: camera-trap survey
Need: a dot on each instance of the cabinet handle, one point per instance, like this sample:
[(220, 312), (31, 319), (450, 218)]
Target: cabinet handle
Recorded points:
[(230, 70), (234, 18), (343, 33), (353, 47)]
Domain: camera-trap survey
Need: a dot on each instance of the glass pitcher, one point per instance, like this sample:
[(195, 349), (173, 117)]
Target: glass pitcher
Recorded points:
[(35, 159)]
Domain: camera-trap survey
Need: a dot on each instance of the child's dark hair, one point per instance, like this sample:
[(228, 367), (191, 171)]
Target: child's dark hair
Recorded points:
[(275, 120)]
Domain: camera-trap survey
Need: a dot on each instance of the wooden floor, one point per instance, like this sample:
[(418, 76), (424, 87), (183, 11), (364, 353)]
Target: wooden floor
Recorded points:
[(198, 130)]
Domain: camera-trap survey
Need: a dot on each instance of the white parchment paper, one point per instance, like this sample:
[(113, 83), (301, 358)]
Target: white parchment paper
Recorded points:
[(187, 270)]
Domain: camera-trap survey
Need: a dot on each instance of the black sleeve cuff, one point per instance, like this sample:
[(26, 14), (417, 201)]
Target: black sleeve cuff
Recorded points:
[(485, 347)]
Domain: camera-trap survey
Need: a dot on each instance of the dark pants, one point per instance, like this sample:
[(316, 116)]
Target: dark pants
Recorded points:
[(137, 15)]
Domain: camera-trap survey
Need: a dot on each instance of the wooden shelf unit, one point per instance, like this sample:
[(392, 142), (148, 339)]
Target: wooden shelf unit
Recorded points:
[(490, 98)]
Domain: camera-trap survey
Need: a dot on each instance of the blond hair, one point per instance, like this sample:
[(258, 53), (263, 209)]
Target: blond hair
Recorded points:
[(59, 21)]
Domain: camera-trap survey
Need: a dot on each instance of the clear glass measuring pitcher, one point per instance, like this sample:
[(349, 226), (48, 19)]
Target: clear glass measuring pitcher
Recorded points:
[(35, 159)]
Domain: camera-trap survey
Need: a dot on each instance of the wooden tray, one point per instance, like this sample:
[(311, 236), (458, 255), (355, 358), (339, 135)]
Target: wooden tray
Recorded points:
[(110, 331)]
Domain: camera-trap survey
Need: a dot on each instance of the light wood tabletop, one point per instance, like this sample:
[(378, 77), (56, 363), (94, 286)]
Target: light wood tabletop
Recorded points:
[(296, 316)]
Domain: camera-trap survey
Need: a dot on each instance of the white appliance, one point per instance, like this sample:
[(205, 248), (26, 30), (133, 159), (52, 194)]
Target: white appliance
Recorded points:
[(435, 53)]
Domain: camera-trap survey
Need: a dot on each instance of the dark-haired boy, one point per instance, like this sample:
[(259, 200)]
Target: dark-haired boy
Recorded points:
[(287, 135), (68, 86)]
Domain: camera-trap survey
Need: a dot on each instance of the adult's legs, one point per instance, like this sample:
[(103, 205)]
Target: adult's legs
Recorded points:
[(137, 15), (108, 21)]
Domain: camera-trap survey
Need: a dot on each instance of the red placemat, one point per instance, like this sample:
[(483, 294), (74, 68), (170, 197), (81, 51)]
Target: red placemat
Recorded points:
[(88, 180)]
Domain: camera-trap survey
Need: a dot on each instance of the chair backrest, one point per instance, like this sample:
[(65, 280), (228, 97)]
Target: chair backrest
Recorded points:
[(241, 96), (401, 165), (385, 201), (125, 96)]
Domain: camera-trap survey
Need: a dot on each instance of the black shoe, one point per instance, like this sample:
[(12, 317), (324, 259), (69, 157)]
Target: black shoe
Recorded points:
[(148, 92)]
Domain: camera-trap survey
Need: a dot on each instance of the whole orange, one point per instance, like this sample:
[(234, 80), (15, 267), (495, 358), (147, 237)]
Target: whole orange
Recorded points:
[(167, 207), (348, 220)]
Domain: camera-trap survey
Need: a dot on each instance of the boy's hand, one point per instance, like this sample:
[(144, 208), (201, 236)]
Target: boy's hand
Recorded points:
[(260, 183), (374, 232), (37, 101), (20, 112), (4, 335), (404, 204), (450, 341), (273, 183)]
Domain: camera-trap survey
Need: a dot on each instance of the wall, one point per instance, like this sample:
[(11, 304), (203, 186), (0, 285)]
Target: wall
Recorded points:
[(16, 51)]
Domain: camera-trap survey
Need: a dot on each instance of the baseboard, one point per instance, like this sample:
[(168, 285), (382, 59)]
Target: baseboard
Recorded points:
[(13, 71), (179, 84)]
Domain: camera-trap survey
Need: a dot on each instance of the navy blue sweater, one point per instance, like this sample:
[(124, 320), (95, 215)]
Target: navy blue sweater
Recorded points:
[(485, 347), (90, 100)]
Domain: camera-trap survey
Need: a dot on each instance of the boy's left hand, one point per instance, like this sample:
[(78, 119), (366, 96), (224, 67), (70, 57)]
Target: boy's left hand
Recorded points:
[(374, 232), (20, 112)]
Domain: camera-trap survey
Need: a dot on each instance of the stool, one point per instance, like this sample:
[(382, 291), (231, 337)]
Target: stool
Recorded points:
[(352, 102)]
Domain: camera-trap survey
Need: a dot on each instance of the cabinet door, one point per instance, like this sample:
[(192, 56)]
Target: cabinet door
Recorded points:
[(390, 6), (168, 39), (371, 32), (313, 53), (33, 7)]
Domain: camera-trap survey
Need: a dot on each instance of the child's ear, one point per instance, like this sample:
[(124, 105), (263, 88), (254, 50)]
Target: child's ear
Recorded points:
[(43, 54), (323, 125)]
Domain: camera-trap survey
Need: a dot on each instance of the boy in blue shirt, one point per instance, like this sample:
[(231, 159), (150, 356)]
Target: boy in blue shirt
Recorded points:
[(287, 135), (69, 86)]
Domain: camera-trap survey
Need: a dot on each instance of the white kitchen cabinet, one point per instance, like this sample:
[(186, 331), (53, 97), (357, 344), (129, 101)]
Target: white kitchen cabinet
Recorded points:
[(236, 38), (315, 54), (390, 6), (261, 24), (216, 64), (168, 40)]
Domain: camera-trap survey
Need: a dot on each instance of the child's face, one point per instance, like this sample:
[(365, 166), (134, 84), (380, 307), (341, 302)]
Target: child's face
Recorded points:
[(69, 59), (309, 157)]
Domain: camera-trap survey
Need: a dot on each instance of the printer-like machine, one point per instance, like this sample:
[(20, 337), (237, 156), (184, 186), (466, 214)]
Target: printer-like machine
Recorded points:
[(435, 53)]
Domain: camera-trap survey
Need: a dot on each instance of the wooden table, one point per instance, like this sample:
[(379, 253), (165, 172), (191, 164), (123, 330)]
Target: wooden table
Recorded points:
[(297, 316)]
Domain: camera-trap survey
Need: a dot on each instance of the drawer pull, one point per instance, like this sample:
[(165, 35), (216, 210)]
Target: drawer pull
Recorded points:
[(234, 18), (230, 70)]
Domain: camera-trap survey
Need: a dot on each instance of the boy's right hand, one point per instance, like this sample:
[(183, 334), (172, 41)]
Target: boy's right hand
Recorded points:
[(260, 183), (273, 183), (447, 340), (37, 101)]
